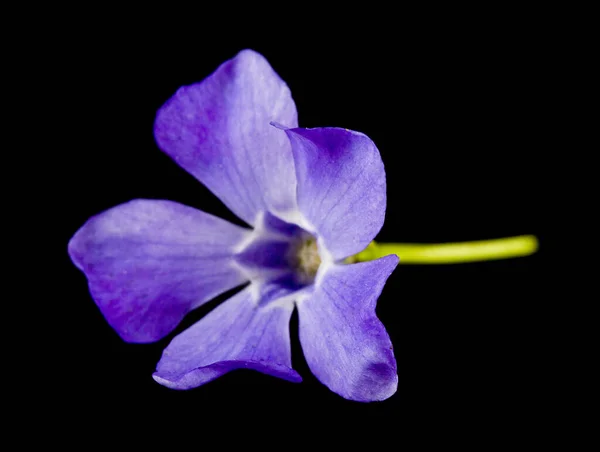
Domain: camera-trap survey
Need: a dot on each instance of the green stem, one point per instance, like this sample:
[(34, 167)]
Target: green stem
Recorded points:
[(451, 253)]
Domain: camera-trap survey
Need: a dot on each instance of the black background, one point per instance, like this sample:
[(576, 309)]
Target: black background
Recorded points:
[(458, 112)]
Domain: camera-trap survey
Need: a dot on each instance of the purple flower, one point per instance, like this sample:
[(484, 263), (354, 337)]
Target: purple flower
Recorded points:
[(313, 198)]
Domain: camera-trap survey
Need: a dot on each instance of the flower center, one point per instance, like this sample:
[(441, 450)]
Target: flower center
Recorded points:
[(280, 251), (305, 258)]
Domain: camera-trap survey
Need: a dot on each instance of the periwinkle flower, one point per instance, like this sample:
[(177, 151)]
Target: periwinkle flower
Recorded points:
[(314, 197)]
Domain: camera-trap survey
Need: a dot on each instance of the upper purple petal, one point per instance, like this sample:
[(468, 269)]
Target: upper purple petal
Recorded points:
[(241, 333), (345, 344), (150, 262), (341, 187), (219, 131)]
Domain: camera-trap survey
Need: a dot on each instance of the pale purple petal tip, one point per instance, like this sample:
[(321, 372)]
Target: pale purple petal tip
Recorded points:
[(202, 375)]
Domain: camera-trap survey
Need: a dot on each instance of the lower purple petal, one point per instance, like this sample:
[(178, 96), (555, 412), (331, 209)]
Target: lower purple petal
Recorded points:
[(239, 334), (149, 262), (345, 344)]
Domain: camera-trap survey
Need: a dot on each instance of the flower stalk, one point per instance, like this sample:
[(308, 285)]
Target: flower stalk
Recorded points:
[(451, 253)]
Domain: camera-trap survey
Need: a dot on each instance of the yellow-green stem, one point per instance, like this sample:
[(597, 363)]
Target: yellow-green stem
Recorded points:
[(451, 253)]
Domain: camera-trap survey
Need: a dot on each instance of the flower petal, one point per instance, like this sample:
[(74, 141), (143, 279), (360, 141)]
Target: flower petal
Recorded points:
[(238, 334), (150, 262), (219, 131), (341, 187), (345, 344)]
